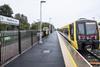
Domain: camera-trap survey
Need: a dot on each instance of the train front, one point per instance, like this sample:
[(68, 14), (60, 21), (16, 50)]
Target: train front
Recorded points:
[(87, 34)]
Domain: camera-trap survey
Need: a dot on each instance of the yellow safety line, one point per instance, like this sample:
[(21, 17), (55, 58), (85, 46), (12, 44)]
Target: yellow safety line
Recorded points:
[(68, 59)]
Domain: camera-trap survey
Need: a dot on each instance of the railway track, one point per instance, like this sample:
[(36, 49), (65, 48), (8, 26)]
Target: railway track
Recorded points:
[(92, 56)]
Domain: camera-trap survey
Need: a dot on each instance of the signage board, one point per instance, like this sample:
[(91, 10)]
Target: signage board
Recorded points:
[(9, 21)]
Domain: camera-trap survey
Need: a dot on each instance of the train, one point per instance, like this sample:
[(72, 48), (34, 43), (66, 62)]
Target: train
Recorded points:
[(83, 34)]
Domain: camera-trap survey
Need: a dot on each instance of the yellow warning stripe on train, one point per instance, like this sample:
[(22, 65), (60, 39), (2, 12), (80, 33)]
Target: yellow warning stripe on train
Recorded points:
[(68, 59)]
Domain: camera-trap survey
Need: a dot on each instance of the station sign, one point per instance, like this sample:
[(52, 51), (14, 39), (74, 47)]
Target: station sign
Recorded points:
[(9, 21)]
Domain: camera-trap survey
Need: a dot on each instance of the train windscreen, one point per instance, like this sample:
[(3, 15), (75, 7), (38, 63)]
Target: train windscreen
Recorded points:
[(81, 28), (90, 28)]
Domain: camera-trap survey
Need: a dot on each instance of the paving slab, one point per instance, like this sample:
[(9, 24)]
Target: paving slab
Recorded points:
[(47, 54)]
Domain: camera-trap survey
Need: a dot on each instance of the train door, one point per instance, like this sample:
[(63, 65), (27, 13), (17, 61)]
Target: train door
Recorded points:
[(72, 31), (72, 37), (68, 32), (80, 34)]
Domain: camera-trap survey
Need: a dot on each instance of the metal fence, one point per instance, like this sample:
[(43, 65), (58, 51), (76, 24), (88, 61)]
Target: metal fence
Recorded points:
[(13, 43)]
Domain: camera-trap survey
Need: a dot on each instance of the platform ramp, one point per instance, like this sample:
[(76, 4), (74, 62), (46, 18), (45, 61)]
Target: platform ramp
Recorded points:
[(72, 58)]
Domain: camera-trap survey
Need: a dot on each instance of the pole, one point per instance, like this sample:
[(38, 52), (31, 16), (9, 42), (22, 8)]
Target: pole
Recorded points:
[(40, 22), (19, 39), (0, 43), (49, 25)]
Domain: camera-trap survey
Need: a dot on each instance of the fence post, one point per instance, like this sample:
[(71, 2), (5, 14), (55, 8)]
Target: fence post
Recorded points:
[(19, 40), (0, 47), (31, 37)]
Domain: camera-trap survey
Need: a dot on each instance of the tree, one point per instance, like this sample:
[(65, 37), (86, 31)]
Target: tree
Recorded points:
[(36, 25), (24, 25), (46, 27), (6, 10)]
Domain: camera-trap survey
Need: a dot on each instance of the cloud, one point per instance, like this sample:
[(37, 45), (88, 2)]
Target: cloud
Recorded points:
[(61, 11)]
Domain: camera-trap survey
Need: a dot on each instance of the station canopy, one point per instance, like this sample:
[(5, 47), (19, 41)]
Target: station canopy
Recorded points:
[(8, 20)]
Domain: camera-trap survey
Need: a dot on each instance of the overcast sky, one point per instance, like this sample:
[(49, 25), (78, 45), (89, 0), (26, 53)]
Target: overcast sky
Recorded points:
[(61, 12)]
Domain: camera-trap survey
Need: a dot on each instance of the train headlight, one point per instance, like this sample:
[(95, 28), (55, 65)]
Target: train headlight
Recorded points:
[(88, 38), (93, 37), (81, 37)]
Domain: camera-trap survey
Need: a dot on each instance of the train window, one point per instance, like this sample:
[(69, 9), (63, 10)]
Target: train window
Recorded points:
[(72, 31), (81, 28), (66, 31), (91, 28)]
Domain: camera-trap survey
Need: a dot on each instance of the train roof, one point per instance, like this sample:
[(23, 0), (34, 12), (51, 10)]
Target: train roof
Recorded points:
[(85, 20), (66, 26)]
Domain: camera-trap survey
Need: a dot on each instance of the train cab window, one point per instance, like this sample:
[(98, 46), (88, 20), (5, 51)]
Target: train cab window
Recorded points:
[(81, 28), (91, 28), (72, 31)]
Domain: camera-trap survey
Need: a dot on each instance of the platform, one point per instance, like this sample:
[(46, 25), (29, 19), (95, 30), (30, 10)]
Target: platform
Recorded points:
[(47, 54), (55, 51)]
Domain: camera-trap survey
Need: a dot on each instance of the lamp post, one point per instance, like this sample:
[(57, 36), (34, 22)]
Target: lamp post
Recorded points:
[(49, 25), (40, 41)]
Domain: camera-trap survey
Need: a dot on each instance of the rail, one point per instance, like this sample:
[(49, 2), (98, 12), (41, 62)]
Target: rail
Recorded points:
[(96, 59)]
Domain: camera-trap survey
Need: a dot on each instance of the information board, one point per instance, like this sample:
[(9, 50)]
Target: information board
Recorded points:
[(9, 21)]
